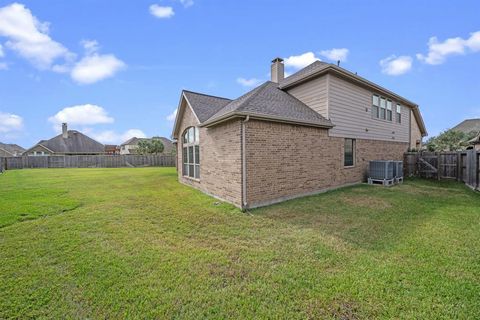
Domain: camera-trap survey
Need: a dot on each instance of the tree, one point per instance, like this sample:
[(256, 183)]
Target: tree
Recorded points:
[(450, 140), (150, 146)]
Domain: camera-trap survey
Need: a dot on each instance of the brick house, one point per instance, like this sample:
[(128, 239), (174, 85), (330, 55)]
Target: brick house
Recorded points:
[(312, 131)]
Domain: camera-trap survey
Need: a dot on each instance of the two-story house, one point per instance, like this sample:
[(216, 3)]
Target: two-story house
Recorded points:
[(312, 131)]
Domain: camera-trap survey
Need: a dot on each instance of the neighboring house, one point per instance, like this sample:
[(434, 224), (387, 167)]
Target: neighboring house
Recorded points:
[(69, 142), (112, 149), (468, 126), (312, 131), (475, 143), (10, 150), (130, 146)]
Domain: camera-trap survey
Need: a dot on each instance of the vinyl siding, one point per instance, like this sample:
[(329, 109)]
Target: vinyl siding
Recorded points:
[(349, 108), (314, 94)]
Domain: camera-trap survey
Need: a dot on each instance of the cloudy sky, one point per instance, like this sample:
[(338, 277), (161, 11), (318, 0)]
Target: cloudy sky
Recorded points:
[(115, 69)]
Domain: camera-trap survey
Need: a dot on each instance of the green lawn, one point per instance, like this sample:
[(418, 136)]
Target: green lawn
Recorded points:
[(134, 243)]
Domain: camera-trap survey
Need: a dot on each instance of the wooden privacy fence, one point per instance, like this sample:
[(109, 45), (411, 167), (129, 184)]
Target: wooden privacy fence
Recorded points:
[(462, 166), (85, 161)]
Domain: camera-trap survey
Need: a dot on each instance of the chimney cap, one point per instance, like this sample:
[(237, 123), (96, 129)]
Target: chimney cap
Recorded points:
[(277, 59)]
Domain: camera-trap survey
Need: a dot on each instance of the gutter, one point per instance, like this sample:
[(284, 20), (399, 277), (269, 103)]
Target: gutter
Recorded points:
[(244, 166)]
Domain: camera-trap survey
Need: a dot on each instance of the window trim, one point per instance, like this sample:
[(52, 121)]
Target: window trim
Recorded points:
[(354, 152), (398, 114), (191, 142)]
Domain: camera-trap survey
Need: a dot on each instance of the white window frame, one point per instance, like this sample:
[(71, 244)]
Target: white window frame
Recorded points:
[(389, 112), (191, 153), (398, 113)]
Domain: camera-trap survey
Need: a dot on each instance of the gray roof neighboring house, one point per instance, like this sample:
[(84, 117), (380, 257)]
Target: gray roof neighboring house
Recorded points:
[(75, 143), (468, 126), (268, 101), (11, 148)]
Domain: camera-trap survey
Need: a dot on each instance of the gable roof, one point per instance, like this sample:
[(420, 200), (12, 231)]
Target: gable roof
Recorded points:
[(76, 142), (269, 102), (309, 70), (468, 126), (12, 148), (204, 106)]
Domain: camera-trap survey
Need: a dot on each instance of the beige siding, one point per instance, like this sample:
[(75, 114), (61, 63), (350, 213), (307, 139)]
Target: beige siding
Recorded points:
[(416, 135), (314, 94), (220, 158), (350, 112), (286, 161)]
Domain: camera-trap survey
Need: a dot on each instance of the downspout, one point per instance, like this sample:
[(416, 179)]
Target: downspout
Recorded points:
[(244, 166)]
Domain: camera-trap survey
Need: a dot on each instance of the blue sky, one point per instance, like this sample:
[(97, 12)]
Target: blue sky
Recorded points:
[(116, 68)]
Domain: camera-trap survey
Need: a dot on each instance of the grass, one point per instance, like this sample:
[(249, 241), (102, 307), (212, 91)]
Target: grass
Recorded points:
[(134, 243)]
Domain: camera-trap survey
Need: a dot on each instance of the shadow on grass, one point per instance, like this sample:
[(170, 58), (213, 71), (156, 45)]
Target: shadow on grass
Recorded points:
[(373, 217)]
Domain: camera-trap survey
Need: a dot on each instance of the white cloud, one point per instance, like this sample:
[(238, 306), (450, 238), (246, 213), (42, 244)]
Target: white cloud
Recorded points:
[(249, 82), (86, 114), (172, 116), (396, 66), (96, 67), (2, 54), (186, 3), (335, 54), (29, 37), (10, 122), (300, 61), (439, 51), (112, 137), (161, 12), (90, 46)]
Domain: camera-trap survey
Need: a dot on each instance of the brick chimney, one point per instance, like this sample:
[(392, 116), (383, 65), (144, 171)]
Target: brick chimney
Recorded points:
[(64, 130), (277, 70)]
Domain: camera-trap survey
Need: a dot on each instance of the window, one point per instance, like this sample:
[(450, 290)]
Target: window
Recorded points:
[(382, 107), (349, 153), (375, 105), (399, 113), (191, 153), (389, 110)]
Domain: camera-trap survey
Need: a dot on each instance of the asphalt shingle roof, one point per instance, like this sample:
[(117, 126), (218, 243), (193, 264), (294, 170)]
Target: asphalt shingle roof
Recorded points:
[(468, 126), (269, 101), (12, 148), (303, 73), (204, 105), (76, 142)]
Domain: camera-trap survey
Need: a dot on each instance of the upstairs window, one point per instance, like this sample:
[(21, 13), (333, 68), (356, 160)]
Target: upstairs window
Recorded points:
[(389, 110), (383, 105), (399, 113), (191, 153), (349, 153), (375, 106)]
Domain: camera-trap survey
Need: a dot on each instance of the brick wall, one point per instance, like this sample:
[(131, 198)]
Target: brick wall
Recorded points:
[(220, 159), (284, 161)]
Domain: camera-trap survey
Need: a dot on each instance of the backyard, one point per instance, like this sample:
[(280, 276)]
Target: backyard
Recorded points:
[(134, 243)]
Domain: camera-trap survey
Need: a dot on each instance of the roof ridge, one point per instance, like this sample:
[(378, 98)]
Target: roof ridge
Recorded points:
[(258, 89), (206, 95)]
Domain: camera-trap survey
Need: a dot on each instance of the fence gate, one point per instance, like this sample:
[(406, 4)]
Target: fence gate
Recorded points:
[(428, 165), (447, 165)]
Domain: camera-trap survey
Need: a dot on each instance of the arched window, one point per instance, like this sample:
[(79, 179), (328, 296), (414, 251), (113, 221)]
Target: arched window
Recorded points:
[(191, 153)]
